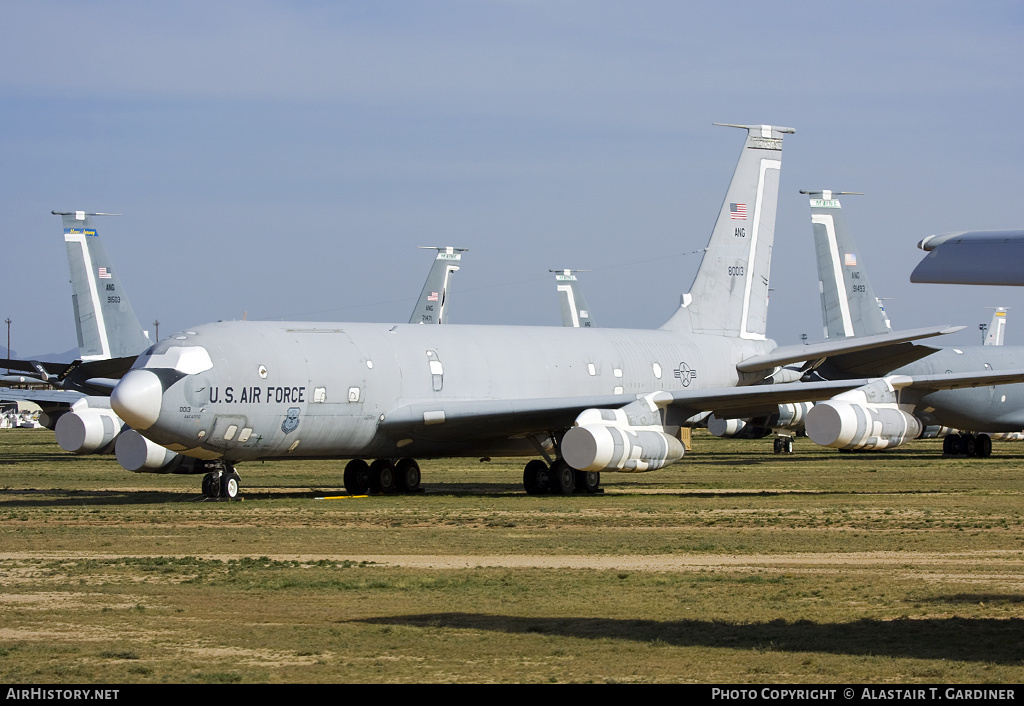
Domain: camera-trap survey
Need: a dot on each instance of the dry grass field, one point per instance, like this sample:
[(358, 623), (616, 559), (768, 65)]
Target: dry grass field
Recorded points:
[(735, 565)]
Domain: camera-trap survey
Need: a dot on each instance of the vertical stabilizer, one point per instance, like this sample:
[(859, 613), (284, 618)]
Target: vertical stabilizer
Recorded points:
[(104, 318), (997, 328), (432, 306), (729, 295), (848, 303), (575, 312)]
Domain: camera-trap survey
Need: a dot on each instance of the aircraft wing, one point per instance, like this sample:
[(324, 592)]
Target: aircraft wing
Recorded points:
[(955, 381), (785, 355), (478, 419), (873, 362), (54, 398), (972, 257), (92, 376)]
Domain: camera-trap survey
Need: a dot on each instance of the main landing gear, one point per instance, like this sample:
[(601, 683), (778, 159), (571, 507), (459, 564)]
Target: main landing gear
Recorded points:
[(559, 478), (967, 444), (783, 445), (222, 483), (382, 476)]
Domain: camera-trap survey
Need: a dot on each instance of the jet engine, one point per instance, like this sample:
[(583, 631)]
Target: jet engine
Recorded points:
[(138, 454), (736, 428), (934, 431), (88, 430), (786, 416), (866, 418), (630, 440)]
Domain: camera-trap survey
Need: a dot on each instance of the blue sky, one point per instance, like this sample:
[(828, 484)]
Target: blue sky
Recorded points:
[(284, 159)]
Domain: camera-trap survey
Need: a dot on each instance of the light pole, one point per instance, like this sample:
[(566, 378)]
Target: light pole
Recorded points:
[(983, 328), (8, 342), (156, 325)]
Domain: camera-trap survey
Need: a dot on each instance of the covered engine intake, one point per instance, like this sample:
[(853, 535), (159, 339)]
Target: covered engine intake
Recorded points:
[(866, 418), (88, 430), (632, 439)]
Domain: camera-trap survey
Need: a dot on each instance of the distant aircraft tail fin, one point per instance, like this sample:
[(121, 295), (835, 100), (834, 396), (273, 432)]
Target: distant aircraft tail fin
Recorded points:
[(848, 303), (432, 306), (575, 312), (997, 328), (729, 295), (106, 323)]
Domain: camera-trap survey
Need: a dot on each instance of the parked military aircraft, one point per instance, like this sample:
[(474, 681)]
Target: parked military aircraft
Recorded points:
[(972, 257), (432, 306), (587, 400), (888, 415), (575, 312), (109, 339)]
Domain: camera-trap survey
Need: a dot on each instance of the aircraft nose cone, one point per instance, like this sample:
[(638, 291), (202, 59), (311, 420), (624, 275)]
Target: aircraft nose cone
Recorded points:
[(136, 398)]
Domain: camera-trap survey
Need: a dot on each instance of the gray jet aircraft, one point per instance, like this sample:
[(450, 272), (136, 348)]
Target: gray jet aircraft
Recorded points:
[(586, 400), (888, 414), (109, 339)]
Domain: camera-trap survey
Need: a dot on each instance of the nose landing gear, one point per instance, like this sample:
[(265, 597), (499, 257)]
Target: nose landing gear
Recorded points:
[(222, 483)]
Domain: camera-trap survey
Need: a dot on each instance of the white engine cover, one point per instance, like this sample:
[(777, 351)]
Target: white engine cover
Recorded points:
[(138, 454), (612, 448), (88, 431), (849, 425)]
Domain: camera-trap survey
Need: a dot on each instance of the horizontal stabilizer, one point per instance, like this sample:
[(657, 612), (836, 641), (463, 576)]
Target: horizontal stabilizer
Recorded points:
[(785, 355)]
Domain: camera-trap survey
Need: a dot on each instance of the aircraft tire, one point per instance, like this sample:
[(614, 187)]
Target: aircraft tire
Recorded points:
[(535, 477), (382, 476), (211, 486), (408, 475), (949, 444), (588, 481), (787, 445), (230, 484), (357, 477), (563, 478), (983, 448), (961, 445), (970, 445), (776, 446)]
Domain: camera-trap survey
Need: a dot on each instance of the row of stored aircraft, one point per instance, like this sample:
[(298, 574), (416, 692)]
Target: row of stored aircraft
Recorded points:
[(584, 399)]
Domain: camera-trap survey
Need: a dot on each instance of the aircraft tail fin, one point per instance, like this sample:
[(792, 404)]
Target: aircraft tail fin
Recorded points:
[(104, 319), (432, 306), (729, 295), (848, 303), (575, 312), (997, 328)]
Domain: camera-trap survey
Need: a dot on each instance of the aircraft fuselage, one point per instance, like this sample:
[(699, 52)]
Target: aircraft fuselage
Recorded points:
[(992, 408), (339, 390)]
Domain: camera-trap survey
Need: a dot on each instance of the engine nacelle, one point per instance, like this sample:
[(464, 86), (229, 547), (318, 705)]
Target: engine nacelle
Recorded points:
[(88, 431), (791, 416), (138, 454), (785, 416), (610, 448), (842, 424), (736, 429), (631, 439)]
